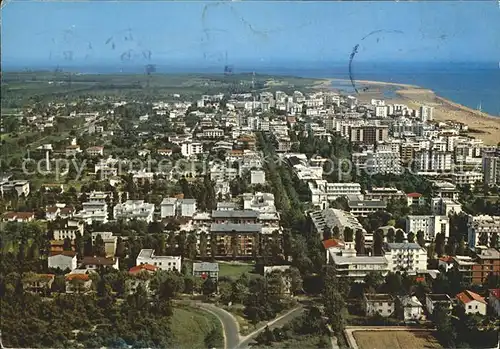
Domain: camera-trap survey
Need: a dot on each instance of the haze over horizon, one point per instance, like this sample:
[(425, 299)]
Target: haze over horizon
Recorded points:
[(259, 33)]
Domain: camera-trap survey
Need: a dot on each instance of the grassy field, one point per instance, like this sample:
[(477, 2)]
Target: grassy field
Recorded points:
[(190, 327), (234, 270), (302, 342), (396, 340)]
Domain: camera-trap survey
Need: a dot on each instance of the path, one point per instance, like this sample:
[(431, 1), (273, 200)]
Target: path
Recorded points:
[(230, 326), (278, 322)]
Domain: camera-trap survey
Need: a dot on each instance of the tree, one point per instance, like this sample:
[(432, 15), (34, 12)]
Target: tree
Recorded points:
[(411, 237), (209, 287), (120, 248), (391, 235), (378, 241), (393, 283), (421, 238), (348, 234), (295, 279), (400, 236), (213, 246), (373, 280), (494, 240), (360, 242), (440, 242), (234, 244), (483, 238), (191, 246), (335, 309), (88, 250), (445, 330), (213, 339), (203, 245), (67, 244), (99, 247), (79, 246), (431, 250)]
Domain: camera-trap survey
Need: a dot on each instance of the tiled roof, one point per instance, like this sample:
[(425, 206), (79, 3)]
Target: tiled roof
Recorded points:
[(414, 195), (83, 277), (332, 243), (64, 253), (142, 267), (469, 296)]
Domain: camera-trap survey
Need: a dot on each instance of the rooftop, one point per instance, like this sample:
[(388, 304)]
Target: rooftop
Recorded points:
[(205, 266), (378, 297), (469, 296), (234, 214), (240, 228)]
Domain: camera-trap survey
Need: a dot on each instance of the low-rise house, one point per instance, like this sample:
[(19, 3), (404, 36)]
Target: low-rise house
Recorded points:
[(140, 275), (147, 256), (67, 229), (95, 151), (63, 260), (494, 300), (20, 217), (410, 308), (206, 270), (72, 150), (94, 263), (134, 209), (377, 303), (38, 283), (21, 187), (78, 283), (471, 302), (109, 240), (433, 300)]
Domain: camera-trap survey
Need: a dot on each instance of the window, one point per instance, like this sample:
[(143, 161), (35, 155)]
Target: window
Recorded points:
[(470, 306)]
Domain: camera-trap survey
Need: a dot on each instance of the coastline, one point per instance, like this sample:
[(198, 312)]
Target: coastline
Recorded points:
[(481, 125)]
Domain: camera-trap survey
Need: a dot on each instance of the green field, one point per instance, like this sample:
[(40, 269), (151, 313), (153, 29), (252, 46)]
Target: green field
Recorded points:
[(190, 327), (234, 270)]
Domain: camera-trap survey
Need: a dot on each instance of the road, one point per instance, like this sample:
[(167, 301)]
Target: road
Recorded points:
[(278, 322), (230, 325)]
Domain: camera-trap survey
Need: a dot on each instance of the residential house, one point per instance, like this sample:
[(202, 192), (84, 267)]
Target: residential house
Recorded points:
[(20, 187), (433, 300), (78, 283), (410, 309), (134, 210), (379, 304), (206, 270), (63, 260), (94, 263), (67, 229), (109, 240), (95, 151), (140, 275), (147, 256), (20, 217), (37, 283), (471, 302)]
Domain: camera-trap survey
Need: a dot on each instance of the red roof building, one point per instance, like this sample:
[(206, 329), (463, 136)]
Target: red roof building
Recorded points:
[(143, 267)]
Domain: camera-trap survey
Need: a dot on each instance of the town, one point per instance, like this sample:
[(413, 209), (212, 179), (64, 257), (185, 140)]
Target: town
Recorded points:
[(278, 217)]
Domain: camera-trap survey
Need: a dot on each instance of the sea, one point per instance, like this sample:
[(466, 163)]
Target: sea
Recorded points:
[(473, 84)]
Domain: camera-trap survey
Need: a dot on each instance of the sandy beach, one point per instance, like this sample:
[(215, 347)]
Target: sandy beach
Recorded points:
[(481, 125)]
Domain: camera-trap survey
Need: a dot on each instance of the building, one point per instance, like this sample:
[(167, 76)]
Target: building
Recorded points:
[(206, 270), (67, 229), (147, 256), (410, 309), (494, 300), (377, 162), (426, 113), (223, 173), (109, 240), (20, 187), (353, 267), (466, 178), (481, 229), (20, 217), (445, 207), (445, 189), (363, 208), (257, 177), (405, 256), (368, 134), (384, 194), (432, 161), (94, 263), (78, 283), (63, 260), (487, 262), (37, 283), (433, 300), (134, 210), (326, 220), (379, 304), (415, 199), (471, 302), (189, 148), (429, 225), (240, 247), (323, 191), (95, 151), (491, 169)]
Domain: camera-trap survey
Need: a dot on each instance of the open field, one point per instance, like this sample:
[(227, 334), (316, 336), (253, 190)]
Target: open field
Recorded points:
[(234, 270), (399, 339), (190, 327)]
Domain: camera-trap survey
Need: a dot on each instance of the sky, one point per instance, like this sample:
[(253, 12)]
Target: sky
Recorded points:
[(262, 32)]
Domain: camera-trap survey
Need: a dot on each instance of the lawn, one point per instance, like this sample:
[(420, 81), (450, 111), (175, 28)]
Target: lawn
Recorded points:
[(234, 270), (190, 327), (396, 339), (302, 342)]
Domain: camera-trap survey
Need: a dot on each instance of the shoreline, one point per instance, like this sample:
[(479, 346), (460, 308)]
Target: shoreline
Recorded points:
[(481, 125)]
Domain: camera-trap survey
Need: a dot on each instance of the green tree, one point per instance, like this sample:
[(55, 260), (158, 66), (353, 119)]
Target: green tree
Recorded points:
[(209, 287), (99, 247), (411, 237), (400, 236), (391, 235), (203, 245), (378, 241), (67, 244), (348, 235), (421, 238)]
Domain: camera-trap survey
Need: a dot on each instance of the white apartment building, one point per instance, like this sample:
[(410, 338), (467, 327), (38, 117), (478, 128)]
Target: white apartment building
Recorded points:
[(134, 210), (257, 177), (378, 161), (329, 218), (469, 177), (482, 225), (68, 229), (322, 191), (93, 211), (173, 207), (147, 256), (21, 187), (220, 172), (363, 208), (430, 225), (260, 202), (405, 256), (63, 260), (432, 161), (191, 148), (384, 194), (445, 207), (491, 169), (213, 133), (426, 113), (381, 111), (353, 267)]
